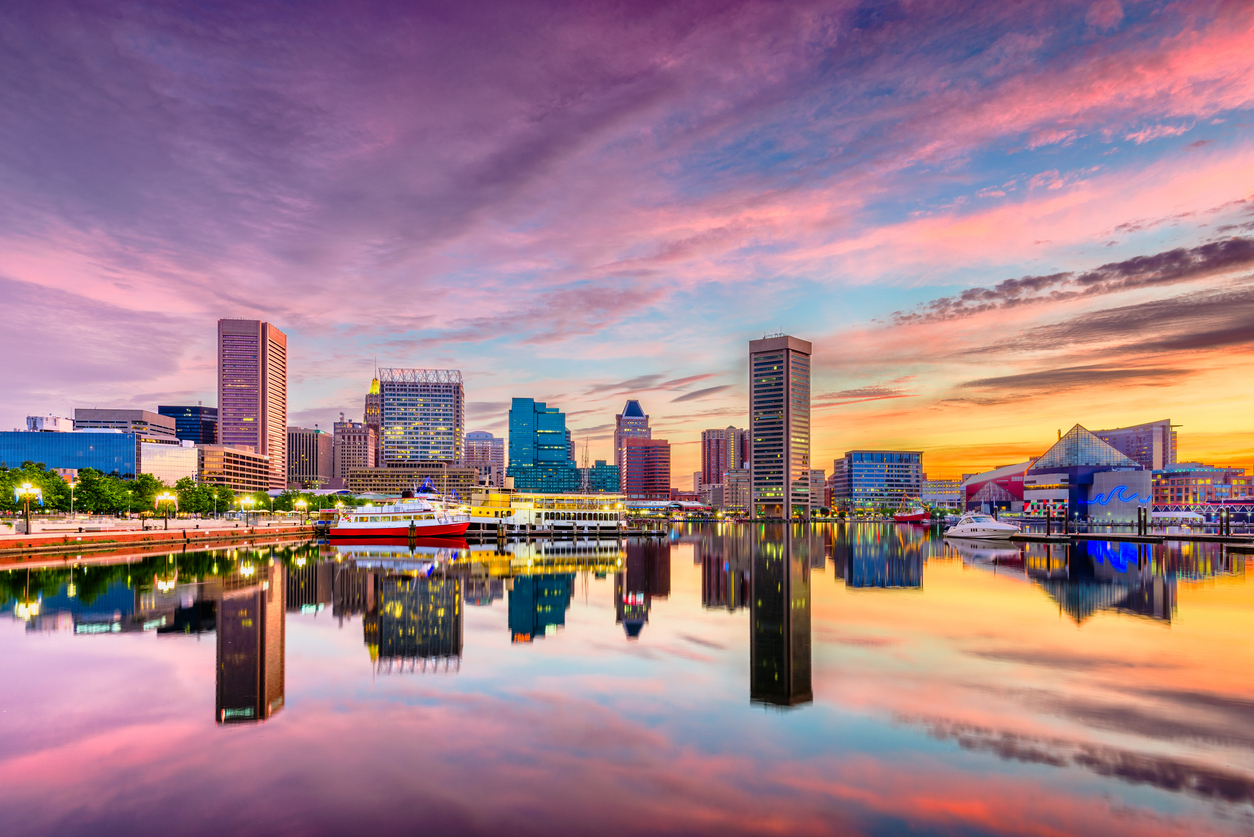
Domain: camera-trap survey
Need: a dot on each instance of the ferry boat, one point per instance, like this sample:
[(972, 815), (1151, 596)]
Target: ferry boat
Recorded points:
[(406, 518), (552, 514), (911, 510)]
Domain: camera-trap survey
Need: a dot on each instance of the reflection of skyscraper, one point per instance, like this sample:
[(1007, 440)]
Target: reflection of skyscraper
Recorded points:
[(779, 655), (309, 587), (251, 646), (725, 559), (538, 603), (419, 622), (646, 575), (481, 591)]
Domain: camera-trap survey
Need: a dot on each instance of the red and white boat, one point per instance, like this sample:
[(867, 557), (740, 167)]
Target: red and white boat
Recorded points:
[(405, 518), (912, 511)]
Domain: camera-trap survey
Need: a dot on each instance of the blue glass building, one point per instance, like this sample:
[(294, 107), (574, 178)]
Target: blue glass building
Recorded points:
[(539, 457), (602, 478), (871, 478), (109, 451), (194, 424)]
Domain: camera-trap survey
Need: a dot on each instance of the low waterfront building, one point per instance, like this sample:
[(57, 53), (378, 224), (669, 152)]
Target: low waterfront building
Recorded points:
[(1097, 481), (439, 477), (197, 424), (1195, 484), (945, 494), (240, 470), (1000, 488), (876, 478), (170, 463), (109, 451), (147, 425)]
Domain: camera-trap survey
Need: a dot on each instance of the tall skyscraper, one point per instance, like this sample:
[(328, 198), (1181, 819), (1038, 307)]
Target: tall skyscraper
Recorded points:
[(779, 423), (721, 451), (631, 423), (423, 415), (486, 454), (252, 392), (539, 458), (373, 416)]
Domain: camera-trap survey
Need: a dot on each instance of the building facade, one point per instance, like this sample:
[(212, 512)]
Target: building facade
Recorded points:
[(736, 491), (354, 445), (145, 424), (49, 424), (237, 469), (1151, 445), (1195, 484), (1070, 472), (946, 494), (423, 415), (601, 478), (109, 451), (485, 453), (818, 489), (631, 423), (779, 426), (198, 425), (252, 392), (310, 457), (539, 458), (648, 464), (372, 415), (876, 478), (434, 476), (721, 451), (170, 463)]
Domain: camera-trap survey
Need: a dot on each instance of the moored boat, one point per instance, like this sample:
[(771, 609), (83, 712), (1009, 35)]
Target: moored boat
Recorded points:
[(406, 518), (977, 526), (911, 510)]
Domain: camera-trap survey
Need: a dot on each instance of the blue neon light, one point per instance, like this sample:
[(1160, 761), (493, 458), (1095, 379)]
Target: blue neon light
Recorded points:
[(1117, 493)]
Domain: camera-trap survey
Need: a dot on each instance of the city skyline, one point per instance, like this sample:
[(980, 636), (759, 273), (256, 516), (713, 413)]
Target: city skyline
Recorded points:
[(989, 222)]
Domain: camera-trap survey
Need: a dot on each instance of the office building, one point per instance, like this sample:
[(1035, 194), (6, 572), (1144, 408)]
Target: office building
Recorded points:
[(108, 451), (197, 424), (239, 470), (48, 424), (486, 454), (601, 478), (877, 478), (354, 445), (945, 494), (145, 424), (423, 415), (779, 426), (310, 457), (818, 489), (779, 613), (539, 459), (169, 463), (251, 646), (435, 477), (1152, 445), (648, 466), (252, 392), (736, 491), (721, 451), (631, 423), (373, 417)]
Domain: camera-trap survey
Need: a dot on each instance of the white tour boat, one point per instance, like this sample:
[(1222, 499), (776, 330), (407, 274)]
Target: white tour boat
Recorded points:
[(401, 519), (982, 527)]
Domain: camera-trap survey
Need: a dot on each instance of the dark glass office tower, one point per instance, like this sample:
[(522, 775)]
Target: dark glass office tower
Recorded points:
[(193, 424)]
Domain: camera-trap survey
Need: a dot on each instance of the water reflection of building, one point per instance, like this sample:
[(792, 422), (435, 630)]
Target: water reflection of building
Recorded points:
[(251, 644), (646, 575), (483, 590), (1106, 575), (779, 648), (419, 623), (310, 586), (538, 603), (878, 556), (726, 560)]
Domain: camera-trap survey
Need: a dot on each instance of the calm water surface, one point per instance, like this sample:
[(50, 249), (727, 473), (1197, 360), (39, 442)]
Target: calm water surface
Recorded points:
[(870, 679)]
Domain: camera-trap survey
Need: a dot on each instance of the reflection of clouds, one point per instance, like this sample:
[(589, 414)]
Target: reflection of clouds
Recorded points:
[(1165, 773)]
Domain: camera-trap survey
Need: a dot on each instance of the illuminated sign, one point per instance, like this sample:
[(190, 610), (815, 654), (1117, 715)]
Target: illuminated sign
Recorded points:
[(1117, 493)]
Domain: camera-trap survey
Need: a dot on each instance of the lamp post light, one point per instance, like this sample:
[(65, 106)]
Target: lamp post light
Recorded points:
[(247, 500), (165, 499), (26, 491), (303, 506)]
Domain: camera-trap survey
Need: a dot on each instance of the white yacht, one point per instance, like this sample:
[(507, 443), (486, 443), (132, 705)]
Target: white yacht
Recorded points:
[(981, 527)]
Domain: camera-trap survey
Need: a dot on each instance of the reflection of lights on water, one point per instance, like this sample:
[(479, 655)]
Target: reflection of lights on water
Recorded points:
[(26, 610), (165, 586), (247, 570), (300, 562)]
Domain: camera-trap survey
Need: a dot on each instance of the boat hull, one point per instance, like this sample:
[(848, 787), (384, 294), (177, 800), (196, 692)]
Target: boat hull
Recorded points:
[(912, 517), (438, 530), (978, 534)]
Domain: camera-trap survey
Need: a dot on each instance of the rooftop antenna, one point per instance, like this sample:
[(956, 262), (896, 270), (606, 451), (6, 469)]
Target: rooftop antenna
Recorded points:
[(584, 483)]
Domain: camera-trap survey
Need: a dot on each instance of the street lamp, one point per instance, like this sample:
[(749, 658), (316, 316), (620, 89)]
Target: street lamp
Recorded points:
[(25, 492), (303, 506), (247, 500), (166, 499)]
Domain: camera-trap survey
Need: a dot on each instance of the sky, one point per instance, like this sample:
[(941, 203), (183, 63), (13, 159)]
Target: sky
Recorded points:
[(992, 220)]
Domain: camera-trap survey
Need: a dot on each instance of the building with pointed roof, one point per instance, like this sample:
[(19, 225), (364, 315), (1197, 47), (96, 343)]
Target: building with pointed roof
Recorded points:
[(631, 423), (1095, 480)]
